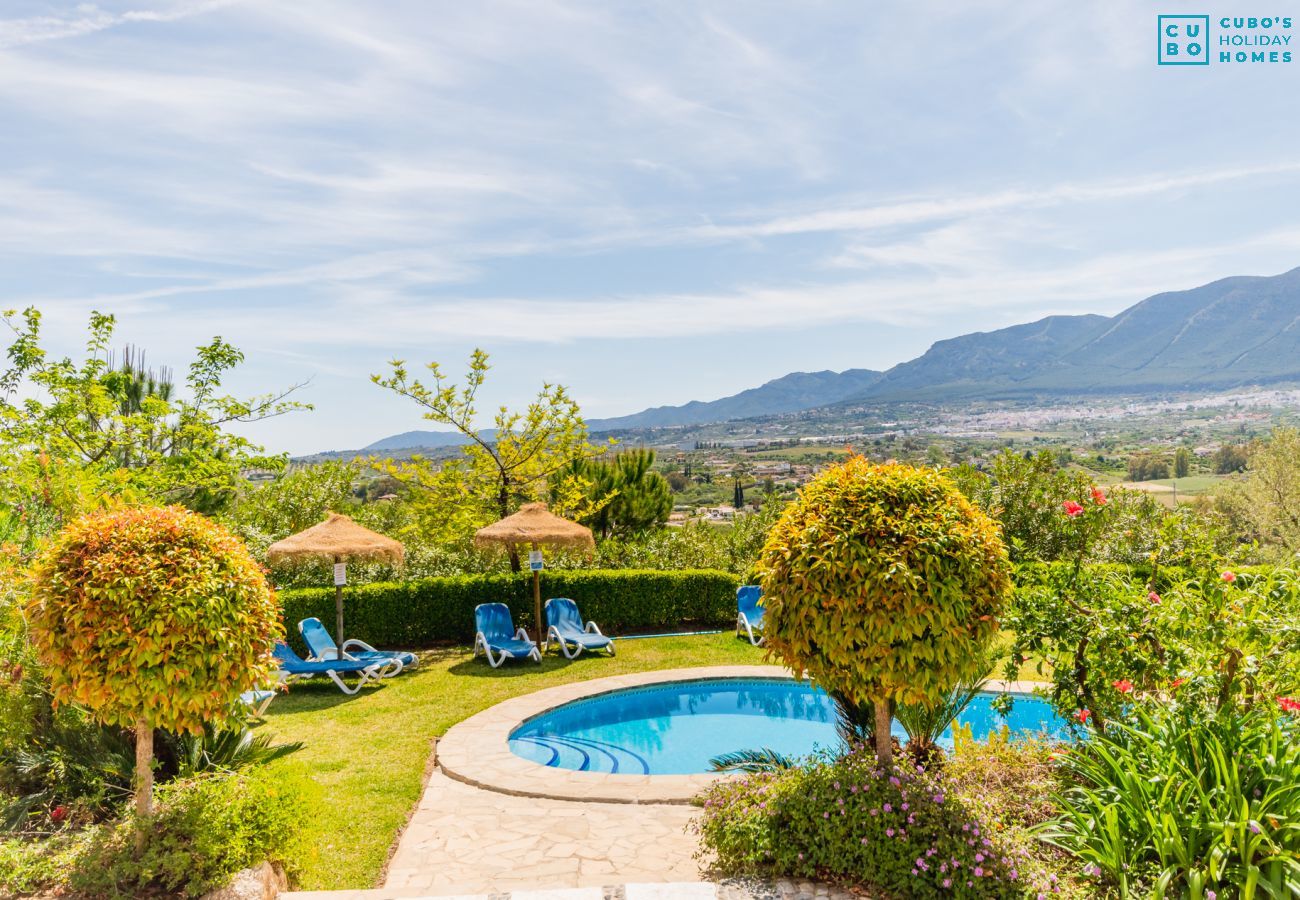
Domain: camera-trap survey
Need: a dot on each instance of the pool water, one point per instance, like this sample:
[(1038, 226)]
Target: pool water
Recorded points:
[(677, 727)]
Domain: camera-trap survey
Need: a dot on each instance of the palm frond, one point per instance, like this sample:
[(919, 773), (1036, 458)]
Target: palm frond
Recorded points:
[(764, 759)]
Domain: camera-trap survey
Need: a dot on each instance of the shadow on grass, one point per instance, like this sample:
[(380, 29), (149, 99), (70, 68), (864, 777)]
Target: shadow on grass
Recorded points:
[(477, 667)]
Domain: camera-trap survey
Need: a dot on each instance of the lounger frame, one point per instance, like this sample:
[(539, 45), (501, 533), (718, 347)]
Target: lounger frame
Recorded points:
[(481, 644)]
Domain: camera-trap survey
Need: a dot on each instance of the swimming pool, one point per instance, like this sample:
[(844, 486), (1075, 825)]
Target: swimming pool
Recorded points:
[(675, 728)]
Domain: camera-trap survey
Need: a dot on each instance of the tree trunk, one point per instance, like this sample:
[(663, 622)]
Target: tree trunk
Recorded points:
[(884, 740), (143, 779)]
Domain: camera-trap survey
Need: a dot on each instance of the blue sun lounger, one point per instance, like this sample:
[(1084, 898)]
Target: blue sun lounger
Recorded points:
[(257, 701), (294, 667), (323, 648), (749, 613), (497, 634), (564, 624)]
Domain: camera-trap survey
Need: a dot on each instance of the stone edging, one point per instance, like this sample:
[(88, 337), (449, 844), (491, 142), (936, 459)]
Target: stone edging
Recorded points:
[(476, 751)]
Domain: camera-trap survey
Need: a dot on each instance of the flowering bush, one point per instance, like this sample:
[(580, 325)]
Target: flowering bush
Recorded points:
[(1209, 641), (898, 829)]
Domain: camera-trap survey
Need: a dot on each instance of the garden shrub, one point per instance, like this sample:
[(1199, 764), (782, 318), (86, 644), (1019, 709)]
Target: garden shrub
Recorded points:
[(1180, 801), (885, 584), (898, 829), (202, 832), (436, 610), (152, 618)]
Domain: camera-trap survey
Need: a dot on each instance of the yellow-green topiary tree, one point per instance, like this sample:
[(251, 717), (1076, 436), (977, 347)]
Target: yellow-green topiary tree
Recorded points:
[(152, 618), (884, 584)]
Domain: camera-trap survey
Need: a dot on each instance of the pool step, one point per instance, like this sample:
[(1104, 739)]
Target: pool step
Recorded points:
[(581, 754)]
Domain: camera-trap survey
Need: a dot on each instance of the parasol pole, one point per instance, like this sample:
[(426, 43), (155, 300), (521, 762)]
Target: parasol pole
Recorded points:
[(338, 611), (537, 600)]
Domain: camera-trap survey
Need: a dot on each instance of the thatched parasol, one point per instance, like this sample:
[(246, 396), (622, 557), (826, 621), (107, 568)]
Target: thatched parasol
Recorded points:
[(534, 525), (341, 539)]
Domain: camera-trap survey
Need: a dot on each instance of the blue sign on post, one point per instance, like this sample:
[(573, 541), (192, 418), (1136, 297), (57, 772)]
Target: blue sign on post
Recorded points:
[(535, 560)]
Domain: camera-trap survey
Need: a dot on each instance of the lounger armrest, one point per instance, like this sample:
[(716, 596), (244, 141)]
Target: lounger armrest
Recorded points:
[(522, 635), (593, 628), (354, 644)]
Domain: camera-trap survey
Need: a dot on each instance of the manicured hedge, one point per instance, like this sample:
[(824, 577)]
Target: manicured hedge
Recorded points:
[(437, 610)]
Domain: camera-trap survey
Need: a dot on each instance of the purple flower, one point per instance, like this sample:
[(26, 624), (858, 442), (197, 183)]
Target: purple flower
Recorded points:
[(889, 807), (1211, 895), (889, 832), (947, 882), (1254, 828), (979, 872)]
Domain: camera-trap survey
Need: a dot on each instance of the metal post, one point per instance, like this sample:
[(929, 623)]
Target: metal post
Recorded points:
[(338, 612), (537, 603)]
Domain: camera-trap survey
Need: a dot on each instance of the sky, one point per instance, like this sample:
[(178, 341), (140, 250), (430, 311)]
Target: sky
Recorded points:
[(649, 203)]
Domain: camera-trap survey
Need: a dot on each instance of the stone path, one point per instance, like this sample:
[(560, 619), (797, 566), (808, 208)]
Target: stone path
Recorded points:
[(728, 890), (475, 841)]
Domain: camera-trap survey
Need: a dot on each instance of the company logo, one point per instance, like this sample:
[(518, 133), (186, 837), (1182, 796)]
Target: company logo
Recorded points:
[(1184, 40)]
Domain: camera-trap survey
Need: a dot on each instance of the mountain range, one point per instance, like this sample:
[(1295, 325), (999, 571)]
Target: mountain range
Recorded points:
[(1238, 331)]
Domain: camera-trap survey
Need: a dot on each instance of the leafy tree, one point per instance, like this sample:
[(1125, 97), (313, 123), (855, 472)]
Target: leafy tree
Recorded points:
[(72, 433), (884, 584), (1231, 458), (497, 471), (298, 499), (1265, 505), (1182, 462), (625, 494), (152, 618), (1147, 467)]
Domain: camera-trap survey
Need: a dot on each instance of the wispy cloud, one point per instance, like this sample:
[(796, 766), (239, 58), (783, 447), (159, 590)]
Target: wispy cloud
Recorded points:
[(88, 18)]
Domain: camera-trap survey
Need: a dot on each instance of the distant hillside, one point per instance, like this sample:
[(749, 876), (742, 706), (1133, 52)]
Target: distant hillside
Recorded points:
[(1233, 332), (790, 393), (414, 440)]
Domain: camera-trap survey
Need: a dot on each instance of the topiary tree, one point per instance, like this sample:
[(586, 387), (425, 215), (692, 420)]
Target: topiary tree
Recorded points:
[(884, 584), (152, 618)]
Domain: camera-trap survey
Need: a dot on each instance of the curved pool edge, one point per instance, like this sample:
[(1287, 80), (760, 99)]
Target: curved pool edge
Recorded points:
[(476, 751)]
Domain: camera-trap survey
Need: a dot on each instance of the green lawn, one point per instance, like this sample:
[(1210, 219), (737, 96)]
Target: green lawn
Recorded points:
[(367, 754)]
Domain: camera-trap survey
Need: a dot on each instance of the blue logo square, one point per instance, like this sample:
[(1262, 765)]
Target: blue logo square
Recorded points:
[(1183, 40)]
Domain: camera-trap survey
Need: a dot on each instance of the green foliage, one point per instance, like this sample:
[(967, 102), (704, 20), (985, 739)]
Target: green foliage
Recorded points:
[(1265, 505), (1027, 495), (203, 832), (925, 723), (900, 830), (298, 499), (497, 472), (626, 495), (1202, 639), (1147, 467), (764, 759), (1182, 462), (154, 615), (225, 750), (1231, 458), (695, 545), (429, 611), (72, 433), (883, 583), (1187, 802)]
